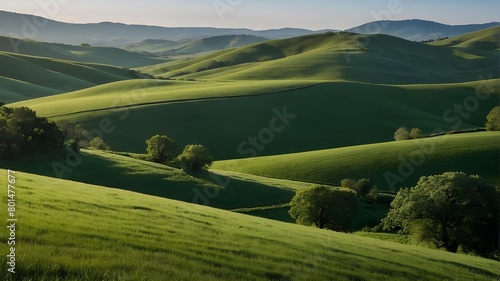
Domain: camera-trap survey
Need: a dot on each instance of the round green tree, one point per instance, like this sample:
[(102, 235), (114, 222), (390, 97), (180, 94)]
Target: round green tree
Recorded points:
[(493, 118), (324, 207), (451, 210), (161, 149), (195, 158)]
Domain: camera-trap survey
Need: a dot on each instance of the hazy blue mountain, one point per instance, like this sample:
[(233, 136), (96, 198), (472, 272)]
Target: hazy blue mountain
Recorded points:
[(210, 44), (418, 30), (118, 34), (85, 54)]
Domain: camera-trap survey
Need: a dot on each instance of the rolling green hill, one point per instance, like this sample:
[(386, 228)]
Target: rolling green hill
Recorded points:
[(341, 56), (233, 190), (86, 54), (29, 77), (389, 165), (193, 46), (73, 231), (250, 194), (327, 115), (486, 39)]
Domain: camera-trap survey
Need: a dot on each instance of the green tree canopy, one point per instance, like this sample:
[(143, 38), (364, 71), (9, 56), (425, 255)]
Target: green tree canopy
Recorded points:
[(324, 207), (161, 149), (401, 134), (493, 118), (195, 157), (451, 210), (362, 186), (22, 132)]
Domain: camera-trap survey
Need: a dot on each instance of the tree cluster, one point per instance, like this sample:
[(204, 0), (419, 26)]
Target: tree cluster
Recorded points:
[(194, 157), (451, 211), (362, 186), (23, 133), (403, 134), (79, 137)]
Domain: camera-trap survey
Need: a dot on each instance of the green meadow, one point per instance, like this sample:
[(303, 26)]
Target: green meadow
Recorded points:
[(29, 77), (73, 231), (278, 116), (222, 116), (401, 163)]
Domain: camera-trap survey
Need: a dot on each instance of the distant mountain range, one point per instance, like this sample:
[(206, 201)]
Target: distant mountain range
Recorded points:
[(121, 35), (418, 30), (118, 34)]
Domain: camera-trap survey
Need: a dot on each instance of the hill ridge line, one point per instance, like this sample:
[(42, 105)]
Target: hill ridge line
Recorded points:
[(190, 100)]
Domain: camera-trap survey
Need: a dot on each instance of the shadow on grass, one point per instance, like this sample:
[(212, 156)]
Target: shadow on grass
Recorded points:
[(162, 181)]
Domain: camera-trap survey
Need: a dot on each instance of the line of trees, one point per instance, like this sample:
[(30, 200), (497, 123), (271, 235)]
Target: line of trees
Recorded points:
[(492, 124), (194, 158), (453, 211)]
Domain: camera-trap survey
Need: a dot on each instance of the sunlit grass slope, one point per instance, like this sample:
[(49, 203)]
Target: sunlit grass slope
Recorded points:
[(87, 54), (474, 153), (149, 91), (73, 231), (326, 116), (337, 57), (26, 77)]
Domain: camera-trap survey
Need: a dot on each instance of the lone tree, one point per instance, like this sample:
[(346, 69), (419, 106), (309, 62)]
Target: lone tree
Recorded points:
[(324, 207), (493, 118), (401, 134), (195, 158), (450, 210), (161, 149), (415, 133)]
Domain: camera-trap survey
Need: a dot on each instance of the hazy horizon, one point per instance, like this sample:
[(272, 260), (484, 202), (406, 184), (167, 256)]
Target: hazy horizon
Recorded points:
[(258, 14)]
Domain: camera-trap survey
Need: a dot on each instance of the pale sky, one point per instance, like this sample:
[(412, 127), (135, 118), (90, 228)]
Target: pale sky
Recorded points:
[(258, 14)]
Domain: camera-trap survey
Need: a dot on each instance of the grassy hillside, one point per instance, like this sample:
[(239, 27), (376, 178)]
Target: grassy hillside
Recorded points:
[(28, 77), (249, 194), (86, 54), (474, 153), (193, 46), (233, 190), (73, 231), (147, 92), (486, 39), (327, 116), (336, 56)]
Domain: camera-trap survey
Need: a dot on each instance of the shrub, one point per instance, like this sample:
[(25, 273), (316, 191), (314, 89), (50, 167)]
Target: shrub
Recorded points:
[(98, 143)]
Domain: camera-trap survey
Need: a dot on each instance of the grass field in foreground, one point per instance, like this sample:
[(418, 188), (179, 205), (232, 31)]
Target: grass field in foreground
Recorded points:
[(474, 153), (72, 231)]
